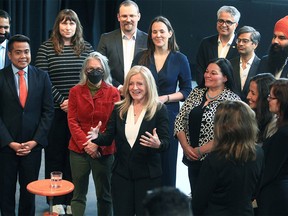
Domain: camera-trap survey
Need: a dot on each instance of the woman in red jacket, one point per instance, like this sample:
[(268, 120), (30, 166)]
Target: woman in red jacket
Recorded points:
[(91, 101)]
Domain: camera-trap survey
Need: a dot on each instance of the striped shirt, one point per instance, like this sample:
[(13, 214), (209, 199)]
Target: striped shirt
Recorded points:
[(64, 70)]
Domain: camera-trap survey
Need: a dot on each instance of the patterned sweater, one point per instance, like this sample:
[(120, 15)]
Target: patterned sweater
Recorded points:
[(64, 70), (207, 123)]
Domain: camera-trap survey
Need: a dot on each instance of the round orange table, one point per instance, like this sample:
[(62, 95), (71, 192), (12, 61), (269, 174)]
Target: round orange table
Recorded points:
[(43, 188)]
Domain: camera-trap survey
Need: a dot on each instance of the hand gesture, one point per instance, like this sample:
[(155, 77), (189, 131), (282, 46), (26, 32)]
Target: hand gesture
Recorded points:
[(93, 133), (150, 140)]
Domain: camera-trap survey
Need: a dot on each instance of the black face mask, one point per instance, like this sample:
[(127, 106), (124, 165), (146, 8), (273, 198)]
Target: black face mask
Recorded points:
[(95, 76)]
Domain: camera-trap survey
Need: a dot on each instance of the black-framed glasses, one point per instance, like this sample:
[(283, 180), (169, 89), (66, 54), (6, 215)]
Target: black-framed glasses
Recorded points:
[(227, 22), (244, 40), (269, 98)]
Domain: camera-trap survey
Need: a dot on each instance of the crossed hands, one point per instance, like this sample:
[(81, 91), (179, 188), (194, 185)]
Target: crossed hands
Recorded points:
[(92, 149), (23, 149)]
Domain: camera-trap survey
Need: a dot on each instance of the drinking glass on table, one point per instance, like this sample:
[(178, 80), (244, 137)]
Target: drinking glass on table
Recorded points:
[(56, 178)]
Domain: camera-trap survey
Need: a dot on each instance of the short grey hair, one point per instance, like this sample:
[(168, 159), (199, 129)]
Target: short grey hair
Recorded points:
[(255, 35), (104, 62), (230, 9)]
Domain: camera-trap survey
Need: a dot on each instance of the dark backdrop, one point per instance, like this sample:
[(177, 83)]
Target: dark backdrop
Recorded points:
[(191, 19)]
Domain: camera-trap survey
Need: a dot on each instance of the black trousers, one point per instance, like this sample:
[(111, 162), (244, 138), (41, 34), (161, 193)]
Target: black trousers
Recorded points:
[(57, 153), (24, 168), (128, 194)]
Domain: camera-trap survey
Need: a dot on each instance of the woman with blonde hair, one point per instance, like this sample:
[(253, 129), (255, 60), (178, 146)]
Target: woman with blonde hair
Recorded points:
[(62, 56), (139, 125), (230, 174)]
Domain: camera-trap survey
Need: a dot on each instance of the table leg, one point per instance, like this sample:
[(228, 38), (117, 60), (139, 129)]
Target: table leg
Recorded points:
[(50, 213)]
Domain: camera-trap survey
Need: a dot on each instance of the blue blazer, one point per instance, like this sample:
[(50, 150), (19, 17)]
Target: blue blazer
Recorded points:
[(139, 161), (110, 45), (32, 122)]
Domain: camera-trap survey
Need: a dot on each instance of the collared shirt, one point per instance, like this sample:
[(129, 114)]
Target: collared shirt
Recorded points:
[(244, 71), (128, 51), (16, 77), (3, 53), (223, 49)]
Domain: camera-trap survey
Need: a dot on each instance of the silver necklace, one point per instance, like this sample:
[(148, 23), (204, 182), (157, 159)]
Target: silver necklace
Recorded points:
[(211, 98)]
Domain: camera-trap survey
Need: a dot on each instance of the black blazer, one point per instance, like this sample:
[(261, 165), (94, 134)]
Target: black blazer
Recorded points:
[(263, 67), (138, 161), (236, 75), (31, 122), (7, 60), (226, 187), (110, 45), (207, 51), (272, 198)]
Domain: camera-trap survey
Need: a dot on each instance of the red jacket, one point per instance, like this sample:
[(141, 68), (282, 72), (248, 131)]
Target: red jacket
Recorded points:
[(85, 112)]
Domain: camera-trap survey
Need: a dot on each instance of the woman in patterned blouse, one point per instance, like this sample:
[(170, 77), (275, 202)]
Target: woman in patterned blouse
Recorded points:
[(195, 122)]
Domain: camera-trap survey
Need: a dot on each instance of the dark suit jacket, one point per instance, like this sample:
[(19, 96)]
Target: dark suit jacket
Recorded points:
[(207, 51), (226, 187), (236, 75), (139, 161), (7, 60), (263, 67), (31, 122), (272, 198), (110, 45)]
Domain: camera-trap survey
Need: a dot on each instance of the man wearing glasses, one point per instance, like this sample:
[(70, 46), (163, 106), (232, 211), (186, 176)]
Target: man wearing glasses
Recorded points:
[(121, 45), (5, 21), (221, 45), (246, 64), (276, 60)]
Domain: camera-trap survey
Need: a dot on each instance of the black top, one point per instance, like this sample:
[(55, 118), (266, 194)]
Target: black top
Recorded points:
[(226, 187)]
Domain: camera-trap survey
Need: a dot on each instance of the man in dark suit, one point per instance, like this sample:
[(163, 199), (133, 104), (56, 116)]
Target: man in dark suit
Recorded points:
[(24, 125), (221, 45), (246, 64), (276, 60), (5, 21), (121, 45)]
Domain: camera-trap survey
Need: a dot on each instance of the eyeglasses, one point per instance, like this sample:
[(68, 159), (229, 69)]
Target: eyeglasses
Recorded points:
[(244, 41), (269, 98), (227, 22)]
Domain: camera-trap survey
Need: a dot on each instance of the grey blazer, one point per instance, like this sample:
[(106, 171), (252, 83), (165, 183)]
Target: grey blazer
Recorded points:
[(110, 45)]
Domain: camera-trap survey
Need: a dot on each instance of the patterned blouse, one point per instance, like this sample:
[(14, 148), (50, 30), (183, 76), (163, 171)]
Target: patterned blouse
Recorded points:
[(207, 123)]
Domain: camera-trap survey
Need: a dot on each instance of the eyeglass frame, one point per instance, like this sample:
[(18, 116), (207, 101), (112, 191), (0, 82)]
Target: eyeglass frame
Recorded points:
[(227, 22), (269, 98), (244, 40)]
